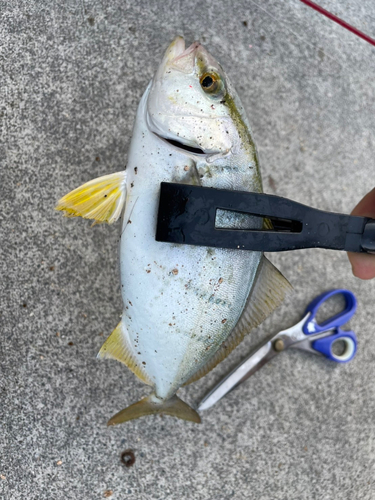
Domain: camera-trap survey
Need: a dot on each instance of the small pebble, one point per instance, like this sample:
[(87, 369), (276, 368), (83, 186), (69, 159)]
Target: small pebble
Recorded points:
[(128, 458)]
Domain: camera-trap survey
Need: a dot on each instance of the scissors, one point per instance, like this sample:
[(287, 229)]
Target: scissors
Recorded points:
[(307, 335)]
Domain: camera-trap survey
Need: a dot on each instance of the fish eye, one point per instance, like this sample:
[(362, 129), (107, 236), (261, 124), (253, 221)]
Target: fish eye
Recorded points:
[(207, 82), (211, 83)]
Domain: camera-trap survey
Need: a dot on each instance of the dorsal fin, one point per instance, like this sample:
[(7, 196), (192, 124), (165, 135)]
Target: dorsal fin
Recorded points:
[(116, 347), (267, 294)]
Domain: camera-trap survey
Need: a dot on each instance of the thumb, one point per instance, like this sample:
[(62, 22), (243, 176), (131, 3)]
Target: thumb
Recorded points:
[(363, 265)]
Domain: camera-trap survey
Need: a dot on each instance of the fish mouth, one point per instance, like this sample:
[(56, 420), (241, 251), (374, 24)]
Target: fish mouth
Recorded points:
[(180, 57), (184, 59)]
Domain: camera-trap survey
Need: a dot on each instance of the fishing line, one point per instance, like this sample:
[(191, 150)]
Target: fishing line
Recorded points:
[(291, 31), (311, 93)]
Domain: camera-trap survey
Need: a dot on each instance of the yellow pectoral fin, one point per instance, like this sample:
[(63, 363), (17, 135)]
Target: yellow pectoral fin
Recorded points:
[(101, 199)]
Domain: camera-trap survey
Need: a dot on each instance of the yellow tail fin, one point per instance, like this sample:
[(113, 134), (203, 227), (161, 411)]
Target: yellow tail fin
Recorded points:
[(150, 405), (101, 199)]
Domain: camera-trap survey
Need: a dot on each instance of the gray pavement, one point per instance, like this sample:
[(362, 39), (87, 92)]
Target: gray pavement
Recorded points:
[(71, 76)]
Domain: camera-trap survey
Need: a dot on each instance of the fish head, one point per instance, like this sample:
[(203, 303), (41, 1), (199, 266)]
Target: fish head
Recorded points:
[(192, 104)]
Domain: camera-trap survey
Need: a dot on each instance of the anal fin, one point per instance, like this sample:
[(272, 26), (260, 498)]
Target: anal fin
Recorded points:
[(266, 295), (116, 347), (101, 199)]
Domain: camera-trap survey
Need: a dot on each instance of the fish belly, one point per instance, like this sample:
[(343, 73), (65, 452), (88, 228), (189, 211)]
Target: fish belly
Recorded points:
[(180, 302)]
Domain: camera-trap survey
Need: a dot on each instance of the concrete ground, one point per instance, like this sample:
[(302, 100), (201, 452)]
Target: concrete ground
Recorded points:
[(71, 76)]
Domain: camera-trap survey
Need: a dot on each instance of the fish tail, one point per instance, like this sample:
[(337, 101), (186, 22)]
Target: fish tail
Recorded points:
[(151, 405)]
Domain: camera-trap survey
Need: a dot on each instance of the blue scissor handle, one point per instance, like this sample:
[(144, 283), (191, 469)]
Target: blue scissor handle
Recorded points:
[(324, 346), (311, 326)]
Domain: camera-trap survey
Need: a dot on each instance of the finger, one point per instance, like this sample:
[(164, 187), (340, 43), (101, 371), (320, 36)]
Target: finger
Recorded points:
[(363, 265), (366, 207)]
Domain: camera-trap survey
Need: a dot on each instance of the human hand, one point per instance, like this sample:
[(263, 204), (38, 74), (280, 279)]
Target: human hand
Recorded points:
[(363, 265)]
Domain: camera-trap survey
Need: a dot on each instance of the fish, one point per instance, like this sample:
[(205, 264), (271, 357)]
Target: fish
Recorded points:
[(185, 307)]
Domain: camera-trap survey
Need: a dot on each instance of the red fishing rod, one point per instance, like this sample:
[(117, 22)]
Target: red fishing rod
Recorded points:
[(339, 21)]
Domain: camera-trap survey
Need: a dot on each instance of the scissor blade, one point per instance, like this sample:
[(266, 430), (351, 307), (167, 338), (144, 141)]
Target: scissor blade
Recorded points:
[(250, 365)]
